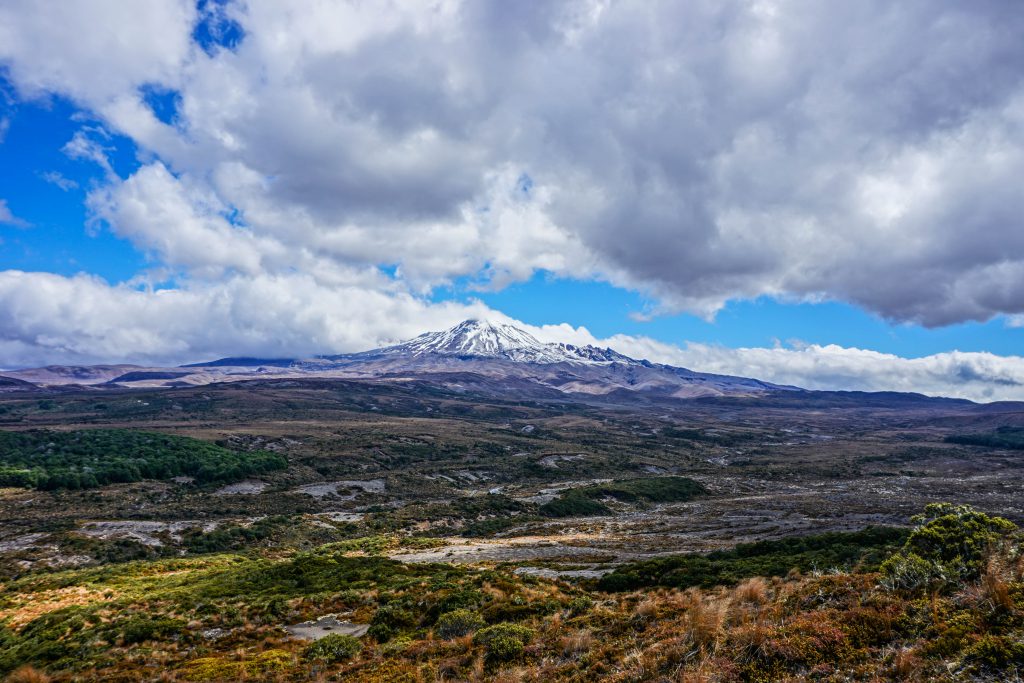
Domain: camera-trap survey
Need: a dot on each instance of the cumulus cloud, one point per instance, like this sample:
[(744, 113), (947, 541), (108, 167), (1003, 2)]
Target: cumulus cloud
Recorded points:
[(82, 319), (976, 376), (697, 152), (94, 50)]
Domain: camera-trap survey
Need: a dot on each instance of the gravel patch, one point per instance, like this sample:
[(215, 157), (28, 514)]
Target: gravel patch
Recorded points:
[(325, 626)]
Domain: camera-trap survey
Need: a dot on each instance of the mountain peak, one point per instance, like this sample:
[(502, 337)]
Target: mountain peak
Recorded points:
[(473, 337), (481, 338)]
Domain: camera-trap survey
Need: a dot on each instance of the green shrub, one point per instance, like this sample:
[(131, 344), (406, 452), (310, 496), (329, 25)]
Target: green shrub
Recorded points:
[(141, 629), (992, 652), (1004, 437), (909, 571), (504, 649), (581, 604), (866, 549), (388, 621), (948, 545), (574, 503), (336, 647), (585, 501), (458, 623), (212, 669), (459, 599), (234, 537), (270, 662), (503, 642)]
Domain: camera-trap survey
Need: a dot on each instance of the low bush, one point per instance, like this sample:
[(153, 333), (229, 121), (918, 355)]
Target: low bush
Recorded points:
[(949, 545), (389, 620), (458, 623), (504, 642), (141, 629), (1004, 437), (336, 647)]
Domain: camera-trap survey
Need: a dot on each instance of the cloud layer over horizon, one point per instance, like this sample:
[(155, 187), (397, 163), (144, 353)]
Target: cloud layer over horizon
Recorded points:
[(316, 173)]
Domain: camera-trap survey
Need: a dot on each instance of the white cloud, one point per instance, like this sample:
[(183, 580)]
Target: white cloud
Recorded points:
[(975, 376), (48, 318), (58, 179), (8, 218), (83, 146), (184, 225), (94, 50)]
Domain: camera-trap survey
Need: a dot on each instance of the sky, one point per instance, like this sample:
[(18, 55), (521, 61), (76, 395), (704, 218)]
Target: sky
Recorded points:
[(819, 194)]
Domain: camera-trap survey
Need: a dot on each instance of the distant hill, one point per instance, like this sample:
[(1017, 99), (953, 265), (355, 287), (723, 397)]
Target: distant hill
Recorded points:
[(243, 362), (12, 384)]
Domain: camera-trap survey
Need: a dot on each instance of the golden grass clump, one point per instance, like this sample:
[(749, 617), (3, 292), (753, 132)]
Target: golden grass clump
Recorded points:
[(647, 609), (995, 588), (703, 619), (27, 674), (575, 644), (753, 591)]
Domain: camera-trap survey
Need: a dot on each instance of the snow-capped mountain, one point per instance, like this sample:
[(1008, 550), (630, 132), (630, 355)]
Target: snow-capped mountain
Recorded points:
[(497, 357), (475, 355), (487, 339)]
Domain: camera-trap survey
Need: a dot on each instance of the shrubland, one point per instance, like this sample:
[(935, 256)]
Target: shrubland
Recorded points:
[(88, 458), (587, 500), (841, 610), (1003, 437)]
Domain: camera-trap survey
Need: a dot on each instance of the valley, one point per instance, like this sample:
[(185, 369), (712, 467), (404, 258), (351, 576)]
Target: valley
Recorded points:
[(267, 514), (357, 451)]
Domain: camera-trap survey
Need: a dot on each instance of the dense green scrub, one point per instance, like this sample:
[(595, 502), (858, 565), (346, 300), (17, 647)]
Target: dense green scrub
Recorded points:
[(1004, 437), (864, 549), (95, 457), (587, 499)]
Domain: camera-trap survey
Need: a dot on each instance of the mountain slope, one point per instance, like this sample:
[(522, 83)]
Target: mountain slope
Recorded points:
[(503, 352), (8, 384), (476, 355)]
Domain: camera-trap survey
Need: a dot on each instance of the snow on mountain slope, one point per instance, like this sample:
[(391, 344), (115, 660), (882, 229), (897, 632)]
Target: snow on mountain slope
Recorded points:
[(471, 338), (499, 350), (487, 339)]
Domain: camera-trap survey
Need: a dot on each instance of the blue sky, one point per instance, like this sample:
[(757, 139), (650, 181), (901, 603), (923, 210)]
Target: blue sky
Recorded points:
[(182, 180), (606, 310), (59, 239)]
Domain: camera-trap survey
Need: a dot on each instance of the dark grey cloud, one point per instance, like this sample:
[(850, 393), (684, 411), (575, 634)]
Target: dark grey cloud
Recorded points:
[(868, 151), (700, 152)]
